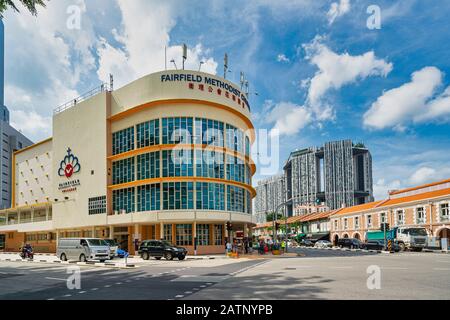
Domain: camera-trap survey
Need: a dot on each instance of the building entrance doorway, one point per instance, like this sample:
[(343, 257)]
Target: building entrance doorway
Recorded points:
[(445, 234), (2, 242), (336, 238)]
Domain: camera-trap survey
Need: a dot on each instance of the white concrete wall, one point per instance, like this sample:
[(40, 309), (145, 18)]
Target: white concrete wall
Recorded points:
[(83, 129), (33, 175)]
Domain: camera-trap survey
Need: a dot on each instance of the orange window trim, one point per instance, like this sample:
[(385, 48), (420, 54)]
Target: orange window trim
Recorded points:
[(181, 179), (163, 147)]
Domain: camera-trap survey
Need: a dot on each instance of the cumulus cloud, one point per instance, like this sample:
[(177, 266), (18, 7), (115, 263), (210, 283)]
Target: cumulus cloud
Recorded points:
[(31, 123), (45, 62), (414, 101), (143, 36), (382, 187), (338, 10), (282, 58), (334, 71), (288, 118), (337, 70)]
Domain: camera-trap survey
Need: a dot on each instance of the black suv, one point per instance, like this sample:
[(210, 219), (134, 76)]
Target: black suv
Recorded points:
[(379, 245), (351, 243), (159, 249)]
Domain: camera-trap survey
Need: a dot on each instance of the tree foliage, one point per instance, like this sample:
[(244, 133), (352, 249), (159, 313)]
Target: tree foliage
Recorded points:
[(271, 216), (31, 5)]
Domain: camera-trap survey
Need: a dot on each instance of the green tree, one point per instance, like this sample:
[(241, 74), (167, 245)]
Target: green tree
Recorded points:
[(31, 5), (271, 216)]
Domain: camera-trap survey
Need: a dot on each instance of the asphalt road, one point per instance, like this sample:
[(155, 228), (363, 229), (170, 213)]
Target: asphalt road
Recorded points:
[(326, 275), (320, 274), (155, 280)]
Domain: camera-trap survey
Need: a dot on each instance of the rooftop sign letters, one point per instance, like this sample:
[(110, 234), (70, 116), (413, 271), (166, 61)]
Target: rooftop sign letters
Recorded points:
[(210, 84)]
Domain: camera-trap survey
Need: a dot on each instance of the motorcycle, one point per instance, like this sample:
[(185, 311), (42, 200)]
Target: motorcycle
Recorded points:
[(27, 253)]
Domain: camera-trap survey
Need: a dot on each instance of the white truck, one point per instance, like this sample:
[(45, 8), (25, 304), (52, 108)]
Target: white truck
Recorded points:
[(411, 238)]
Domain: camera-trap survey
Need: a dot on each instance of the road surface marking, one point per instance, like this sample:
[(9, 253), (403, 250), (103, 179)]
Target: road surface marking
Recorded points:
[(441, 269), (58, 279), (81, 292)]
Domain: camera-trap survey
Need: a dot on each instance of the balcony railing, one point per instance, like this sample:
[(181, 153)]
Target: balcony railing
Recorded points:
[(72, 103)]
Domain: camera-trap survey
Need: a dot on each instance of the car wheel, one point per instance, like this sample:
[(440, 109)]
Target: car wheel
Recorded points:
[(402, 246), (145, 256), (181, 258), (82, 258), (102, 261), (158, 258), (63, 257), (111, 258), (168, 256)]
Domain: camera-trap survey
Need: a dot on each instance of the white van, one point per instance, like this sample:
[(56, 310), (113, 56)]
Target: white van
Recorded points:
[(83, 249)]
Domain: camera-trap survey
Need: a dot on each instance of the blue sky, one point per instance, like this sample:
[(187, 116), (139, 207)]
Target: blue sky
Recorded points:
[(321, 74)]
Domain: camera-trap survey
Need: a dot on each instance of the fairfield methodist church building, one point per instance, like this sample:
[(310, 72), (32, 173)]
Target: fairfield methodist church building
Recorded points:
[(164, 157)]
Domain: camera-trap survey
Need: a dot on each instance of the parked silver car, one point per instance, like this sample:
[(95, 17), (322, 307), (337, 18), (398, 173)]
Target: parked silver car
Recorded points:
[(83, 249), (323, 244)]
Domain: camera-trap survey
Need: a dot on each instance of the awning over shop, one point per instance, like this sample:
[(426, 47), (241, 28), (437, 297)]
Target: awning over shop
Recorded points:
[(319, 236)]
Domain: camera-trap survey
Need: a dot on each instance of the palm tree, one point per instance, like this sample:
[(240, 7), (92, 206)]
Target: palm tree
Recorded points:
[(29, 4)]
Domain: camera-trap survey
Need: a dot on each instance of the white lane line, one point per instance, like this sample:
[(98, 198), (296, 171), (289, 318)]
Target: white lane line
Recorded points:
[(188, 292), (94, 289), (179, 296), (51, 299), (81, 292), (441, 269), (57, 279), (107, 286), (346, 267), (67, 296), (118, 283), (394, 268)]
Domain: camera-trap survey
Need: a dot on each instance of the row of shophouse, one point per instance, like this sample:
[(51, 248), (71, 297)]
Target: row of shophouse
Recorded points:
[(426, 206)]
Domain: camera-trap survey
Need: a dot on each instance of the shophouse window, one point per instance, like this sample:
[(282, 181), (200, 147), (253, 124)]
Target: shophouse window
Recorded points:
[(123, 171), (335, 225), (178, 196), (345, 224), (210, 196), (168, 232), (235, 199), (356, 222), (209, 132), (369, 221), (218, 234), (184, 234), (235, 139), (210, 164), (178, 163), (123, 141), (148, 166), (383, 217), (203, 234), (235, 169), (148, 133), (444, 209), (420, 215), (177, 130), (400, 217), (123, 200), (148, 198)]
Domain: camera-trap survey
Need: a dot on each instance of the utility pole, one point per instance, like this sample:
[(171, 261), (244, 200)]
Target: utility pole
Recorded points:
[(184, 54)]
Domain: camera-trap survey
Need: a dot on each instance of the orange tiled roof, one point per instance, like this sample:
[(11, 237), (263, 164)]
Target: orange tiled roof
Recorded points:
[(417, 197), (397, 201), (361, 207), (419, 187)]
